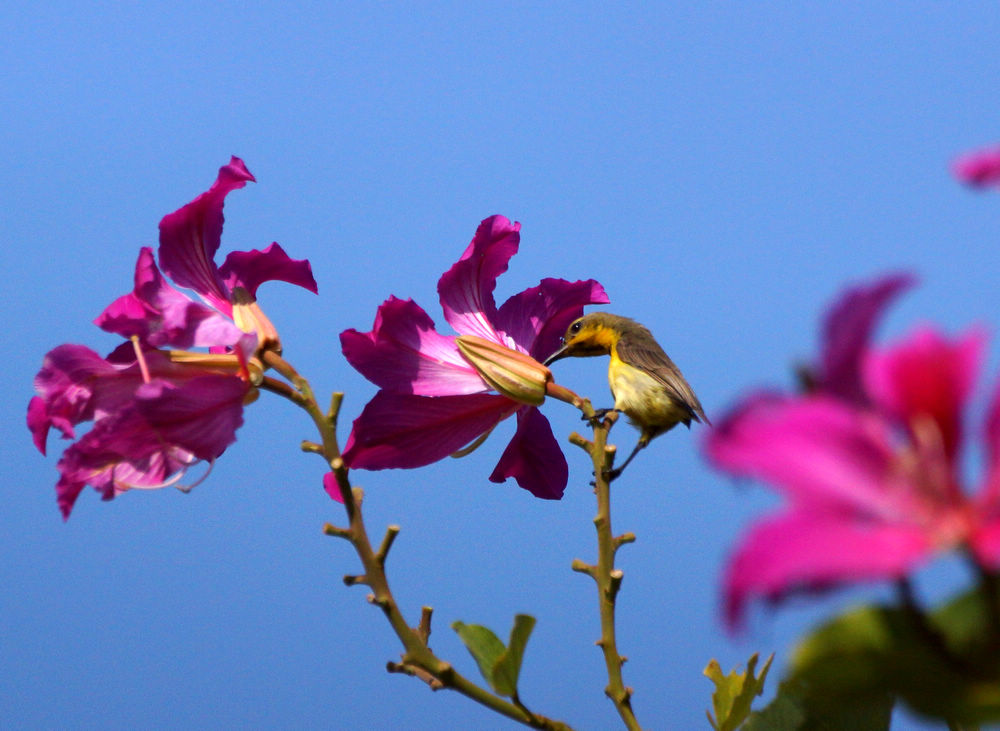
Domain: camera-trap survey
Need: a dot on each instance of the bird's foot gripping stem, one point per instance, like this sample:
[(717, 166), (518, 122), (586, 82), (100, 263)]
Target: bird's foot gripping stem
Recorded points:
[(610, 476), (598, 415)]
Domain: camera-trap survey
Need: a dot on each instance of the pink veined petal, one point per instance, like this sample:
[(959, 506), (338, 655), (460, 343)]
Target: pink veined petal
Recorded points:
[(190, 236), (250, 269), (927, 376), (466, 290), (404, 354), (200, 415), (69, 391), (801, 550), (537, 318), (120, 451), (38, 423), (402, 430), (847, 331), (68, 489), (162, 316), (816, 450), (330, 486), (979, 169), (533, 457)]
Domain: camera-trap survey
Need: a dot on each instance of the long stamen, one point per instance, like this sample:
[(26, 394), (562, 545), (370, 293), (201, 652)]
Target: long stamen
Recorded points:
[(173, 480), (475, 445), (140, 359)]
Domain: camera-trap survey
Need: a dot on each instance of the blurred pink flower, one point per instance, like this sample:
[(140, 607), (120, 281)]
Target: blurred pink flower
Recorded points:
[(156, 413), (980, 168), (872, 476), (432, 401)]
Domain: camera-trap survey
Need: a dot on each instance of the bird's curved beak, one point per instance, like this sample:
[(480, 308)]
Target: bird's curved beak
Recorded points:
[(561, 353)]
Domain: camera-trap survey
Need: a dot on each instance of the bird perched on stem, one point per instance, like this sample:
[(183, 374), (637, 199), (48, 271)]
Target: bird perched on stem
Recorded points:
[(645, 383)]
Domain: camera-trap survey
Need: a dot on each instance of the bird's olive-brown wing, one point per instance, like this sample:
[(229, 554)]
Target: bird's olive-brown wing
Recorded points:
[(648, 355)]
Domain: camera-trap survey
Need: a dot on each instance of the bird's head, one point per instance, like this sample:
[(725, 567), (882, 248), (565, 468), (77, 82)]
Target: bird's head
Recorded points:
[(592, 334)]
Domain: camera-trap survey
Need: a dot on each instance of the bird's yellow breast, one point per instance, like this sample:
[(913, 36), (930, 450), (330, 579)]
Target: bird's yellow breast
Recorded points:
[(642, 398)]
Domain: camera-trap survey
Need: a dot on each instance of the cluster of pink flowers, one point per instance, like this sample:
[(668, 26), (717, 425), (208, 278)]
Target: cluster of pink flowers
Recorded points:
[(156, 412), (868, 455), (158, 407)]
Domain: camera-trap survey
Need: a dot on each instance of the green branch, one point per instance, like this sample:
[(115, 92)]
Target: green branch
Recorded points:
[(604, 573), (417, 658)]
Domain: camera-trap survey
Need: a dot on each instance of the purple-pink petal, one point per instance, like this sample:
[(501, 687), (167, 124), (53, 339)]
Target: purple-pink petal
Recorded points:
[(119, 452), (537, 318), (201, 415), (404, 354), (403, 430), (927, 376), (806, 550), (816, 450), (39, 422), (66, 385), (466, 290), (163, 429), (331, 488), (162, 316), (190, 237), (980, 168), (847, 331), (533, 457), (250, 269)]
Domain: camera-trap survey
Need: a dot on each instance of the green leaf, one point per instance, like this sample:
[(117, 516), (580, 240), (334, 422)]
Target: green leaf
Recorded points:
[(784, 713), (499, 665), (804, 707), (734, 693), (484, 646), (943, 665), (507, 667)]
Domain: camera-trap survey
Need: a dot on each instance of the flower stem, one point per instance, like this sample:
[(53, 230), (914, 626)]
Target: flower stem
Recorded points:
[(417, 658), (604, 573)]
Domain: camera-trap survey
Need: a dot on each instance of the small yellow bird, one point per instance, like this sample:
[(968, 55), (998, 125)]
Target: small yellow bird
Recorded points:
[(645, 383)]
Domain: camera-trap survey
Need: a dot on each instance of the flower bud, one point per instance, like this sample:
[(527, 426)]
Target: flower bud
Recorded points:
[(509, 372)]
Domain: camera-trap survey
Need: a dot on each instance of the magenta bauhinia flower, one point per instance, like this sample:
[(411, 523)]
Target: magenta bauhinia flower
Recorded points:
[(157, 412), (189, 239), (439, 393), (153, 418), (871, 478), (980, 168)]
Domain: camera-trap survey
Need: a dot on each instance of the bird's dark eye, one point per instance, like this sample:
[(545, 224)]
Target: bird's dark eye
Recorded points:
[(574, 328)]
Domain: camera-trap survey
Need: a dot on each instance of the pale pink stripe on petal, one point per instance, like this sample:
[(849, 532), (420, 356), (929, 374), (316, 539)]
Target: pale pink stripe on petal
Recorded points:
[(466, 290)]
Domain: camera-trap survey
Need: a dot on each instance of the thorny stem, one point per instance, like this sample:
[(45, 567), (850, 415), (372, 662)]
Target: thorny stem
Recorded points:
[(604, 573), (417, 658)]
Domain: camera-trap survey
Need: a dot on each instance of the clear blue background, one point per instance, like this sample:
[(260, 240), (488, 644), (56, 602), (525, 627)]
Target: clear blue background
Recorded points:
[(722, 169)]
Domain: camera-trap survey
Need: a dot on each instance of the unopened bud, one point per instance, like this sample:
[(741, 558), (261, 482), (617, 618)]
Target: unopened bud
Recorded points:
[(509, 372)]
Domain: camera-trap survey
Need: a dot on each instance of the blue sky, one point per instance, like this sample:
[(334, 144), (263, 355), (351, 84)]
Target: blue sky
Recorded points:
[(723, 169)]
